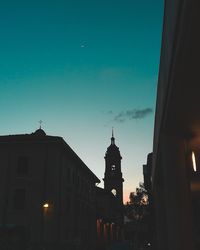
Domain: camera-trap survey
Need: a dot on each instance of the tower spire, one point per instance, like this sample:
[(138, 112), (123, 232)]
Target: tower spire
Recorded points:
[(40, 122), (112, 138)]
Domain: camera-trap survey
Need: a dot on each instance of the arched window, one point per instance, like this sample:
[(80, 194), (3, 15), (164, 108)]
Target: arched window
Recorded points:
[(114, 191)]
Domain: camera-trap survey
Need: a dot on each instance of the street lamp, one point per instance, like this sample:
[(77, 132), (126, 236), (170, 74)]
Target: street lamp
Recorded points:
[(45, 205), (45, 208)]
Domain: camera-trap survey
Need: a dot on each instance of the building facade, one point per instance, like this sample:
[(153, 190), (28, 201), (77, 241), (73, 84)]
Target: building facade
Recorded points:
[(175, 169), (47, 195)]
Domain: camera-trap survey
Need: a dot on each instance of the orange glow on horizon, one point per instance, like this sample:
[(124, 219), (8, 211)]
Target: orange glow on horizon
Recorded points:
[(126, 197)]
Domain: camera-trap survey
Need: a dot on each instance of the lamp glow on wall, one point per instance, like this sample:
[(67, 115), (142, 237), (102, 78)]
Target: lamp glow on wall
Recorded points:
[(194, 162)]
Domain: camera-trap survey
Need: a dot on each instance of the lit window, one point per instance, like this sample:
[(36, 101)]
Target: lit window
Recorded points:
[(194, 162)]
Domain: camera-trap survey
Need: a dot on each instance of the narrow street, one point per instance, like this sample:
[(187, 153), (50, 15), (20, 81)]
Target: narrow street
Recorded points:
[(121, 246)]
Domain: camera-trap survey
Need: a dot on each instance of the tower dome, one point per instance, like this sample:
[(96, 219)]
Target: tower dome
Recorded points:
[(113, 150), (39, 132)]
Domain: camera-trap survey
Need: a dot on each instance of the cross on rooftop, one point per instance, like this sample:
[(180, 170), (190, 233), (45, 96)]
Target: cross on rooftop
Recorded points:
[(40, 122)]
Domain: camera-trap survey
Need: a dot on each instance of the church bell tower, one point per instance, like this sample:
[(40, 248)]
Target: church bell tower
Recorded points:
[(113, 181)]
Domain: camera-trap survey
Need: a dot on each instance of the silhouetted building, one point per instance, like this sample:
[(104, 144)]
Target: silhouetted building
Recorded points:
[(175, 172), (113, 181), (150, 218), (109, 202), (47, 195), (147, 169)]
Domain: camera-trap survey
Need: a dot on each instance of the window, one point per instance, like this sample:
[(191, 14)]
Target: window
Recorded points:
[(19, 198), (194, 162), (22, 166), (114, 191), (113, 167)]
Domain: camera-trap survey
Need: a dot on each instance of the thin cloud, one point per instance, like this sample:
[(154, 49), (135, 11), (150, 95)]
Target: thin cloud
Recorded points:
[(110, 112), (133, 114)]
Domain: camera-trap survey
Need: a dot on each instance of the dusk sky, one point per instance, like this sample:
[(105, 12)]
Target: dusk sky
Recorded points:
[(83, 67)]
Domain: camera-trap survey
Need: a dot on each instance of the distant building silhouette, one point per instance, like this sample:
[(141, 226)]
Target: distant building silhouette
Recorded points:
[(113, 181), (110, 215), (47, 195), (147, 170)]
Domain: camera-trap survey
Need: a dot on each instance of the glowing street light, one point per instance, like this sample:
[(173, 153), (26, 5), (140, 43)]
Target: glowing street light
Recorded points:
[(46, 205)]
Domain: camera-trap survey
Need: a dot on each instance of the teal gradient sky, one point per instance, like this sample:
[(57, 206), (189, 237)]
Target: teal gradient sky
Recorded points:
[(78, 64)]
